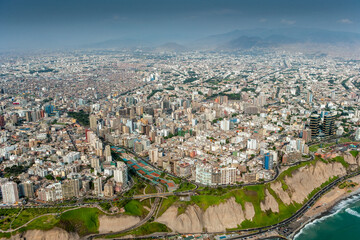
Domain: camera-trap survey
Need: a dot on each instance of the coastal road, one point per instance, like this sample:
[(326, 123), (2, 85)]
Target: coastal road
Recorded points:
[(151, 213), (265, 229)]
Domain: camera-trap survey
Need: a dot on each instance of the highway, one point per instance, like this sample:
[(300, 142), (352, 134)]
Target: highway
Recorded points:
[(260, 230), (153, 209)]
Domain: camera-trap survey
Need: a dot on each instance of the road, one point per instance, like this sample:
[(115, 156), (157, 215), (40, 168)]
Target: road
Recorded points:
[(25, 224), (260, 230), (151, 213)]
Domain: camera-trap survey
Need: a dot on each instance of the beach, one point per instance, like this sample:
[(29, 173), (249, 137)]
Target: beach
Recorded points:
[(324, 206)]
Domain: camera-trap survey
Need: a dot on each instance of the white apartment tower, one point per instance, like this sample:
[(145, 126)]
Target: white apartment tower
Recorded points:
[(10, 193)]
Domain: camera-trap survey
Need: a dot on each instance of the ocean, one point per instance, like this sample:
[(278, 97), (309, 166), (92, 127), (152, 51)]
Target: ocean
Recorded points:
[(342, 222)]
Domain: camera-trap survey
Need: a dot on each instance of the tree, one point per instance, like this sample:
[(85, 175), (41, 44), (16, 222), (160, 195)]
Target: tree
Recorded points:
[(49, 177)]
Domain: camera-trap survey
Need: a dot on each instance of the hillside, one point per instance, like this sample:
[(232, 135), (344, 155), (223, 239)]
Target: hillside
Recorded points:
[(256, 206)]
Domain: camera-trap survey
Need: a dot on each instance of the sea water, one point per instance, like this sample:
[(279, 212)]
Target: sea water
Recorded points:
[(342, 222)]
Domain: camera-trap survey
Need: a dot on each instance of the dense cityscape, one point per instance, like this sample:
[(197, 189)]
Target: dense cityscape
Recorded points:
[(206, 119)]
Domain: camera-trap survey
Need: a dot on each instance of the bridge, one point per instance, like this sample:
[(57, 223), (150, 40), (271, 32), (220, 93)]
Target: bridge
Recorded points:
[(162, 195)]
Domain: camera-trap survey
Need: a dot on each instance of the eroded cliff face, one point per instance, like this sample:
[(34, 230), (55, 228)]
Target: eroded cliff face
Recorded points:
[(53, 234), (116, 223), (188, 222), (350, 159), (269, 203), (230, 214), (304, 180), (216, 218)]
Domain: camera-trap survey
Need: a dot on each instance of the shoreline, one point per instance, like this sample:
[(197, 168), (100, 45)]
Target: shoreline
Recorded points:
[(323, 208)]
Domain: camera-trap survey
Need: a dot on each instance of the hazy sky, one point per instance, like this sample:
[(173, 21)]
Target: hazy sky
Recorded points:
[(58, 23)]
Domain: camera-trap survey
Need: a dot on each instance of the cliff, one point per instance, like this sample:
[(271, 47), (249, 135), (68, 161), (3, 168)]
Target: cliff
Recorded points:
[(53, 234), (292, 188), (304, 180), (215, 218)]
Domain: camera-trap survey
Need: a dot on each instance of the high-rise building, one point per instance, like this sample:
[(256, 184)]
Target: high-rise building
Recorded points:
[(26, 189), (2, 121), (10, 193), (49, 109), (309, 97), (328, 126), (306, 135), (93, 122), (120, 173), (204, 174), (108, 189), (70, 188), (154, 155), (98, 186), (252, 144), (314, 124), (228, 175), (268, 161), (225, 125), (95, 163), (28, 116), (357, 134), (107, 152)]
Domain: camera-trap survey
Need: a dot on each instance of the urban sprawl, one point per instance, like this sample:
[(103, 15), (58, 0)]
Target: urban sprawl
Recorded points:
[(75, 124)]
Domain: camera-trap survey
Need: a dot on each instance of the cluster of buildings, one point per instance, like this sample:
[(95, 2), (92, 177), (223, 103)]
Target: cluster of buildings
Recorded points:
[(214, 118)]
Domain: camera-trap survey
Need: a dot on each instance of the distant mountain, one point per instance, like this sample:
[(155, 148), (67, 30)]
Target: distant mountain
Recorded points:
[(245, 39), (171, 47), (119, 43)]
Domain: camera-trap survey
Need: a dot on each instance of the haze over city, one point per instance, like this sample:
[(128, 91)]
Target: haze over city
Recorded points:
[(63, 24)]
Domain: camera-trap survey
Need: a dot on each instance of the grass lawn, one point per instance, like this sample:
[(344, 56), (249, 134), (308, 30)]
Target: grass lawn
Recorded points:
[(341, 160), (135, 208), (185, 186), (7, 216), (83, 221), (150, 189), (43, 223), (105, 206), (29, 213), (345, 140), (314, 148)]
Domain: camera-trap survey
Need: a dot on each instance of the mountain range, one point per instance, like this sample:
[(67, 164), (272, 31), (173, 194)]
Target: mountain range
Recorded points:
[(242, 39)]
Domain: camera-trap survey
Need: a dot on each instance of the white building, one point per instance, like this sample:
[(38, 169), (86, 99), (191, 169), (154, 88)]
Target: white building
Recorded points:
[(98, 190), (204, 174), (252, 144), (225, 125), (154, 155), (228, 175), (53, 192), (71, 157), (10, 193), (120, 173)]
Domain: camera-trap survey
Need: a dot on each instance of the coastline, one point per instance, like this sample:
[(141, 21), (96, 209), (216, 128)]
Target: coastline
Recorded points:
[(324, 207)]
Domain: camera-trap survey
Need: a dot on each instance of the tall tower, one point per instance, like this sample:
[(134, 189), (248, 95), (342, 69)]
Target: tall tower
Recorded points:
[(10, 193), (268, 161), (98, 186), (328, 127), (314, 124), (108, 152), (120, 173), (93, 122)]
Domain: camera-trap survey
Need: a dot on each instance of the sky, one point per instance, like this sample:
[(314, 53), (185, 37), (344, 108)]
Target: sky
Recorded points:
[(68, 23)]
